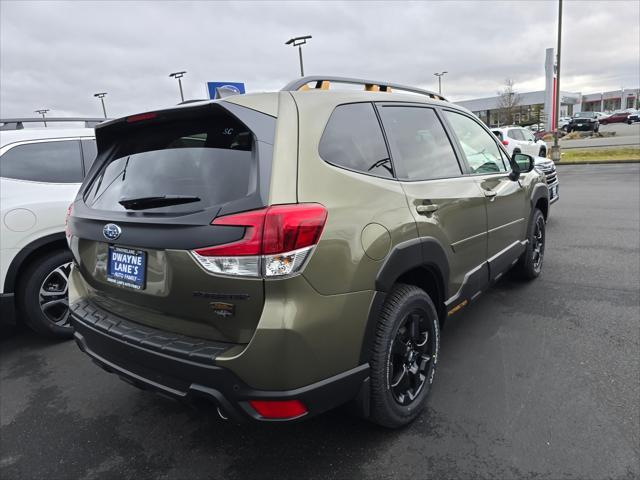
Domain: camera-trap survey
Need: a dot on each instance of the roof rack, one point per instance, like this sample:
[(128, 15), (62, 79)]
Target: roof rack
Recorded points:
[(18, 123), (322, 83)]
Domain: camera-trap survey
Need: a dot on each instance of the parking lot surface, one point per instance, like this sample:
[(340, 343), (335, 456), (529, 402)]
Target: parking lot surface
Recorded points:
[(536, 380)]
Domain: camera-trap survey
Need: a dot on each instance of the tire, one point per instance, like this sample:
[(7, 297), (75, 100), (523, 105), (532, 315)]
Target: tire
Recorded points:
[(398, 356), (516, 150), (542, 152), (530, 264), (45, 281)]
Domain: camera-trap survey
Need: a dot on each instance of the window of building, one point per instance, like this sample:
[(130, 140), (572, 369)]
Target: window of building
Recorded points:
[(353, 139), (419, 144), (51, 162)]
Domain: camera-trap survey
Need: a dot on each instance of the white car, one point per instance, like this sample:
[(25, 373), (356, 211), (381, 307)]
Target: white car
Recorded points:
[(518, 139), (548, 167), (40, 173)]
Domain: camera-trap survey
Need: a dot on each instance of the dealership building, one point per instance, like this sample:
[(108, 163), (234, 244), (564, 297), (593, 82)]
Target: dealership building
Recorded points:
[(531, 105), (538, 107)]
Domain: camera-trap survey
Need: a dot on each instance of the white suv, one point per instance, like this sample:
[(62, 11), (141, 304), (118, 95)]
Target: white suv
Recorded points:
[(520, 140), (40, 173)]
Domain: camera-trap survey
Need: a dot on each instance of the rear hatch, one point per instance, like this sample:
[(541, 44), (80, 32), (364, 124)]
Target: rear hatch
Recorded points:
[(148, 203)]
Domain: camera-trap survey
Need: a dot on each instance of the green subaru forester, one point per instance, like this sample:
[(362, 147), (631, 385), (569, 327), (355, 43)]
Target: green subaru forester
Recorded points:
[(281, 254)]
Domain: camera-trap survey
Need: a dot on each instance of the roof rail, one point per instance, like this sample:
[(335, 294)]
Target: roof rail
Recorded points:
[(322, 83), (18, 123)]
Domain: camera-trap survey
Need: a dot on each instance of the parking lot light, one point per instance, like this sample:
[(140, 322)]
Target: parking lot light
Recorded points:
[(42, 112), (101, 96), (440, 75), (178, 76), (298, 42)]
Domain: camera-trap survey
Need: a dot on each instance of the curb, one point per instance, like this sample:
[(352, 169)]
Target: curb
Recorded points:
[(598, 162)]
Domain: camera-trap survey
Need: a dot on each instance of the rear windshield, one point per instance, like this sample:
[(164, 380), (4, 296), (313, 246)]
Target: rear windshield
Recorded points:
[(206, 161), (585, 115)]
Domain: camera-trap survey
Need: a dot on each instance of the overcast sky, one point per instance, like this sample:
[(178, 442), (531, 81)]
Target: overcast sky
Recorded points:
[(56, 55)]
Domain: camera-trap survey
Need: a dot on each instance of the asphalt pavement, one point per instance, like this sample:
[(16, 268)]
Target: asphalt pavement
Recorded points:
[(536, 381)]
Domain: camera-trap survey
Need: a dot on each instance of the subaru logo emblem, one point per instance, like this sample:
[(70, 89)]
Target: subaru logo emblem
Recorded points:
[(111, 231)]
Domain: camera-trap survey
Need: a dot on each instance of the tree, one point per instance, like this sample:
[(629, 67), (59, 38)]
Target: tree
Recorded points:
[(508, 101)]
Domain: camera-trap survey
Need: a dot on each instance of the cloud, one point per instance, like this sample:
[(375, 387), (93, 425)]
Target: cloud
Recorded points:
[(57, 54)]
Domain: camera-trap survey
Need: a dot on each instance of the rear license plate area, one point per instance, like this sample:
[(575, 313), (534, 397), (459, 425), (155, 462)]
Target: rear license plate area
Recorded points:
[(127, 267)]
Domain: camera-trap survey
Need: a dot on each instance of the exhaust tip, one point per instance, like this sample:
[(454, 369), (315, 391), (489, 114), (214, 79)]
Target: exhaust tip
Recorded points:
[(221, 415)]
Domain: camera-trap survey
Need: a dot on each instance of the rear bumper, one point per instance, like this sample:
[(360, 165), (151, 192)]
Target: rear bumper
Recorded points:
[(7, 309), (185, 368)]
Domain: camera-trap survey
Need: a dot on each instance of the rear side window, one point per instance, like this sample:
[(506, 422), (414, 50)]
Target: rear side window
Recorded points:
[(89, 152), (190, 165), (50, 162), (479, 146), (353, 139), (498, 134), (420, 147)]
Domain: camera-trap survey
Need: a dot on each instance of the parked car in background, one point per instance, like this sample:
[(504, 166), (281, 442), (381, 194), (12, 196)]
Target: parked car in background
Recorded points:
[(40, 172), (584, 121), (520, 140), (548, 167), (563, 123), (633, 117), (616, 117)]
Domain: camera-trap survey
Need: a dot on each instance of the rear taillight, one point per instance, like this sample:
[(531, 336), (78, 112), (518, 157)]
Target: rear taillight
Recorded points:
[(277, 241), (67, 231), (505, 142)]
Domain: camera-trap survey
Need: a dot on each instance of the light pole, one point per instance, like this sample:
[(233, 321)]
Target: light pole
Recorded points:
[(178, 76), (101, 96), (42, 112), (440, 75), (298, 42), (555, 150)]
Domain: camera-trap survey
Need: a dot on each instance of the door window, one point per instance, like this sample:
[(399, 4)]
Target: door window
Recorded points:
[(516, 134), (419, 144), (528, 136), (353, 140), (479, 146), (50, 162)]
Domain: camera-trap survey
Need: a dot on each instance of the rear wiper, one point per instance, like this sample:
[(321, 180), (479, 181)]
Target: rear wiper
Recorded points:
[(142, 203)]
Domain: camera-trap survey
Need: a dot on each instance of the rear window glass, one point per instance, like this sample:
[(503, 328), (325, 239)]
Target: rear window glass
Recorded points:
[(353, 139), (203, 162), (50, 162)]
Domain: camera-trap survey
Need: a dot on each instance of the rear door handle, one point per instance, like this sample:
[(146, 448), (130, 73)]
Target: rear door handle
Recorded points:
[(490, 193), (426, 209)]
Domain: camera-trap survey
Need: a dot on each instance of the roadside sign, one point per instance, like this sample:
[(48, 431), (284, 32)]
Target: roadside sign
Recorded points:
[(234, 86)]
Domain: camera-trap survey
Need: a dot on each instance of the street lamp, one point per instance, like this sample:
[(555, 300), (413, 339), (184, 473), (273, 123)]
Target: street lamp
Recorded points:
[(178, 76), (298, 42), (555, 149), (101, 96), (42, 112), (440, 75)]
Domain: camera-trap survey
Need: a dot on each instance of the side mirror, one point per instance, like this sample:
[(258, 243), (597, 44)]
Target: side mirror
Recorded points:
[(521, 163)]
